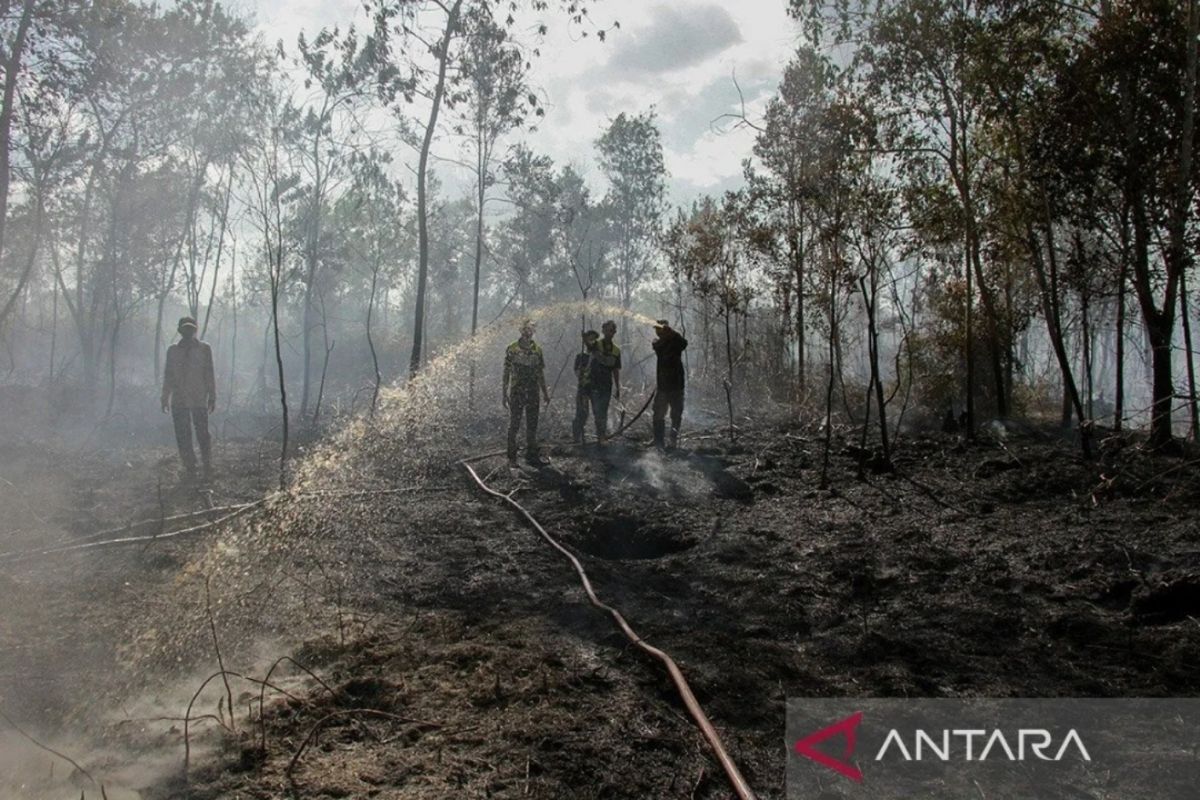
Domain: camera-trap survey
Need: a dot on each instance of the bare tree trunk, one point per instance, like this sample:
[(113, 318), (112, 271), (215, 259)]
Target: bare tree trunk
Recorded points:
[(797, 247), (1191, 366), (282, 386), (220, 251), (443, 56), (233, 345), (370, 337), (12, 72), (481, 180), (728, 381), (829, 385), (329, 345), (53, 336), (31, 261), (970, 341), (112, 367), (1119, 400), (870, 291), (1085, 349), (1048, 287)]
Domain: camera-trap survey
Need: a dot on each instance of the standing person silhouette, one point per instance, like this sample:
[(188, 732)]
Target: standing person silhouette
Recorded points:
[(669, 347), (583, 392), (524, 376), (190, 392), (606, 376)]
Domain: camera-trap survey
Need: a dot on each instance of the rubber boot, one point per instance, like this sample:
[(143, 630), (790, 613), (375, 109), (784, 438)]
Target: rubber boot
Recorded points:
[(673, 439), (660, 430)]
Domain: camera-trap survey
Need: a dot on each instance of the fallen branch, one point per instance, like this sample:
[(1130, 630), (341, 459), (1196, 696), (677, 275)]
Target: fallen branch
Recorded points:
[(931, 494), (369, 492), (212, 626), (11, 557), (204, 512), (47, 748)]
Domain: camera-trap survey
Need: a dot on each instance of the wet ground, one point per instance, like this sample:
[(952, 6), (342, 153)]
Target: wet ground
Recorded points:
[(452, 652)]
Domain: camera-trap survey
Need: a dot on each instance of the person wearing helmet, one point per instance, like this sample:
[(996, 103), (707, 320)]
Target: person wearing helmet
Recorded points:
[(190, 392), (524, 377)]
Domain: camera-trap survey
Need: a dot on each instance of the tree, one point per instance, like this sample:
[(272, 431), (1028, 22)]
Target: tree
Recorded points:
[(584, 236), (407, 35), (497, 101), (272, 186), (324, 129), (791, 179), (707, 250), (375, 235), (631, 157), (527, 237)]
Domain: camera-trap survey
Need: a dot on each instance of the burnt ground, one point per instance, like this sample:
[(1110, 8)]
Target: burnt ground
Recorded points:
[(453, 653)]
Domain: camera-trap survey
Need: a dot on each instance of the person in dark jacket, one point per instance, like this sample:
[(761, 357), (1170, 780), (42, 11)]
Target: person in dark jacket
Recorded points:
[(583, 394), (189, 391), (669, 347)]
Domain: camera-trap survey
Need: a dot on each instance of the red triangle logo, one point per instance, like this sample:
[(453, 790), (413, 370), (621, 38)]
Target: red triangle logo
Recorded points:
[(848, 727)]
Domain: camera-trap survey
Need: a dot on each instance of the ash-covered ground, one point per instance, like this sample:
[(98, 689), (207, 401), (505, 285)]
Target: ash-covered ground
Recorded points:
[(439, 648)]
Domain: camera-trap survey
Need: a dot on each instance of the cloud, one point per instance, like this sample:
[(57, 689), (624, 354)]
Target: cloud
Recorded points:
[(676, 38), (686, 114)]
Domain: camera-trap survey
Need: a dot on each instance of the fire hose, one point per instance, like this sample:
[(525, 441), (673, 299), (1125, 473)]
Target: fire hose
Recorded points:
[(740, 787)]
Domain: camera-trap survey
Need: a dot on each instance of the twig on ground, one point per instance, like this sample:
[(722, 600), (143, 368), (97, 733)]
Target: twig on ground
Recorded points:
[(262, 694), (159, 521), (187, 718), (9, 557), (212, 626), (928, 492), (369, 492), (199, 718), (48, 749)]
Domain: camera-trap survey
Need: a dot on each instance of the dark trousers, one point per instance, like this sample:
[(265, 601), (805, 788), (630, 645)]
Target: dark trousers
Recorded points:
[(583, 404), (185, 419), (595, 399), (665, 399), (601, 396), (523, 402)]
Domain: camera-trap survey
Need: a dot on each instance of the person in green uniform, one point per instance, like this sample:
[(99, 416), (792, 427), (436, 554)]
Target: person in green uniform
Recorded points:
[(605, 377), (524, 378), (583, 392)]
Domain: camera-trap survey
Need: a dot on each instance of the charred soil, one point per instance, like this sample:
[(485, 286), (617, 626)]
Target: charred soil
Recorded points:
[(447, 651)]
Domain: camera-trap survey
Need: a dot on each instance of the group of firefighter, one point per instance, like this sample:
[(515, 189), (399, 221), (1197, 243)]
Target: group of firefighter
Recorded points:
[(598, 381), (189, 389)]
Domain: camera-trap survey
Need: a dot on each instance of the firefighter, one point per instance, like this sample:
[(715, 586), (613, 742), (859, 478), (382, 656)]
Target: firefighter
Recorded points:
[(583, 375), (606, 377), (669, 347), (524, 377), (190, 392)]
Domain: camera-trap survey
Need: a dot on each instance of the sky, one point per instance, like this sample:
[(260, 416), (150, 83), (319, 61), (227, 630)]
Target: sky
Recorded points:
[(685, 58)]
